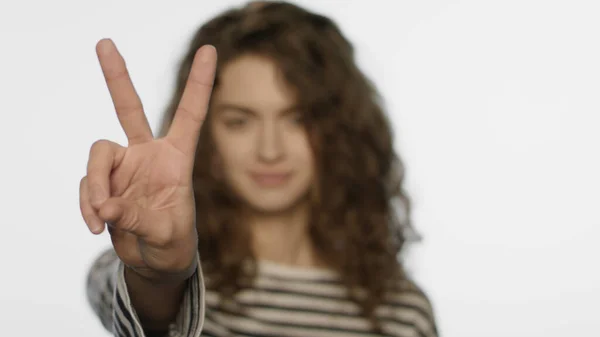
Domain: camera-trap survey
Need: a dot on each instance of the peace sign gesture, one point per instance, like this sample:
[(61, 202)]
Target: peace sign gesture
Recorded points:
[(144, 191)]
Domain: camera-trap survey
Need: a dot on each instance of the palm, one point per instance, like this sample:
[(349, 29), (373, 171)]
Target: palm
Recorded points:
[(146, 188), (152, 176)]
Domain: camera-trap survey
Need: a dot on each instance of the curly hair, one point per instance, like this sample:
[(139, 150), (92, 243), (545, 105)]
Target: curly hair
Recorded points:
[(359, 211)]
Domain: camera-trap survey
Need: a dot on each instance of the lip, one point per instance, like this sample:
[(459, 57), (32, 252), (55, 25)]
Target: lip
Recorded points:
[(270, 179)]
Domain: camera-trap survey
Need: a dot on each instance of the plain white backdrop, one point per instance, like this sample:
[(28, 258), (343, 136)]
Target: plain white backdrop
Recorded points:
[(496, 106)]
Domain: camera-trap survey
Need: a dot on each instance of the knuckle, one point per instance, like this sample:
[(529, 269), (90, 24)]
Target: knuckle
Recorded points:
[(124, 223), (128, 221), (99, 145), (129, 109), (99, 158), (195, 80), (94, 174), (119, 74), (83, 195), (87, 216), (189, 115), (82, 183)]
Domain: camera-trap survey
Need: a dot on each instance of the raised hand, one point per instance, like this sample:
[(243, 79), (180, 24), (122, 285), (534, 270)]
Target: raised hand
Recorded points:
[(144, 191)]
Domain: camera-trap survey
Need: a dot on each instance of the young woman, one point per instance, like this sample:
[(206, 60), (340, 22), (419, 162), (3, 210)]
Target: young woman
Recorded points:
[(272, 203)]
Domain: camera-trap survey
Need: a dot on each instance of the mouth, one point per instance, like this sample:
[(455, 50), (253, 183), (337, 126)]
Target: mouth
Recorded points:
[(270, 179)]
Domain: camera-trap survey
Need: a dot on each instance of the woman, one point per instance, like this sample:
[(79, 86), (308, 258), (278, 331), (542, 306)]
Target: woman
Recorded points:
[(269, 209)]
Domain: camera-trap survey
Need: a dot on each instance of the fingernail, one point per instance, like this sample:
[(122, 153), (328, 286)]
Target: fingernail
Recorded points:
[(98, 228), (105, 46), (206, 53)]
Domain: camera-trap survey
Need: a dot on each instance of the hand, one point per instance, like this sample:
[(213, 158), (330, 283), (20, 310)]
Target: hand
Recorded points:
[(144, 192)]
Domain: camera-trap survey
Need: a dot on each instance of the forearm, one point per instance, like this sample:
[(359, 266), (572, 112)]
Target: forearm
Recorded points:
[(129, 306), (156, 304)]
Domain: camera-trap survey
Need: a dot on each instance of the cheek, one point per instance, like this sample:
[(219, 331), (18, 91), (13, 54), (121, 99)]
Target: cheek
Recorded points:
[(303, 154), (233, 152)]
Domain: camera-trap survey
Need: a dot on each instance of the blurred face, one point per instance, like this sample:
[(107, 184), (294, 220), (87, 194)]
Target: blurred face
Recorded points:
[(263, 149)]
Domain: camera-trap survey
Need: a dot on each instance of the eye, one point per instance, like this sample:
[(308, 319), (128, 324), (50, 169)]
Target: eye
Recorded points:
[(236, 122), (297, 118)]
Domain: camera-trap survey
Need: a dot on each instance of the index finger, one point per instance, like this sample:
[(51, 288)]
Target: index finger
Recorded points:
[(191, 112)]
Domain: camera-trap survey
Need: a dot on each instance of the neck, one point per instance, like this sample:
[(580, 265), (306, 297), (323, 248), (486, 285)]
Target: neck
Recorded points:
[(283, 237)]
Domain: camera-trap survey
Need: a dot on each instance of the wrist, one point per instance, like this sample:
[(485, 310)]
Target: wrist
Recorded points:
[(161, 278)]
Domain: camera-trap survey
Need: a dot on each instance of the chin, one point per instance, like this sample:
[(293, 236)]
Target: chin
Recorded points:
[(273, 201), (278, 205)]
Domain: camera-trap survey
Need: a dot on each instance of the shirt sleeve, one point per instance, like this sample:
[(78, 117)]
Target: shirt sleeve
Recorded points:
[(424, 318), (109, 298)]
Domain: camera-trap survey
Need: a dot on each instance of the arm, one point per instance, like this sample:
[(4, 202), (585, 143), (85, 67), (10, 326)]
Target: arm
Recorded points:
[(424, 319), (124, 306), (413, 311)]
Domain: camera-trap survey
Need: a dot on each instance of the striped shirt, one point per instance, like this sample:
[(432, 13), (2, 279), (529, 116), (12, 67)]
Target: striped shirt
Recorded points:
[(284, 301)]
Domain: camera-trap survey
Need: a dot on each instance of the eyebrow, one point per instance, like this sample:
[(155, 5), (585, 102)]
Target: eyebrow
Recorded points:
[(248, 111)]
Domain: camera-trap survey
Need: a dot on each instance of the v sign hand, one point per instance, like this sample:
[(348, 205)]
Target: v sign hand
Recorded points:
[(144, 191)]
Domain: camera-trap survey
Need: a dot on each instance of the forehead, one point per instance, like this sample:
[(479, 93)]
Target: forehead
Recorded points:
[(255, 82)]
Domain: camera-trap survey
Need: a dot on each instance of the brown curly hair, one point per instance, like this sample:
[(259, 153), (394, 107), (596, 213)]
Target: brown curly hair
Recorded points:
[(359, 211)]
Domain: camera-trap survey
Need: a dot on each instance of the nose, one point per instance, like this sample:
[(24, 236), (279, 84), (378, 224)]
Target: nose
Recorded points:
[(270, 147)]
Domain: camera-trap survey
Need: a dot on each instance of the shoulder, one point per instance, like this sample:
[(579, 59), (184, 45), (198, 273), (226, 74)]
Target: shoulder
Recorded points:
[(411, 305)]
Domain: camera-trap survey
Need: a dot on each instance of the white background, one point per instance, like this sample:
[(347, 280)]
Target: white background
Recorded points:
[(497, 110)]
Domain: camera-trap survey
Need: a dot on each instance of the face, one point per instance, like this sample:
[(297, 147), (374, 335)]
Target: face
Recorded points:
[(262, 147)]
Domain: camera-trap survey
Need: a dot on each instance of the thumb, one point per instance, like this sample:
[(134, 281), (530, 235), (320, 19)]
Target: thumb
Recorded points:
[(123, 214)]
